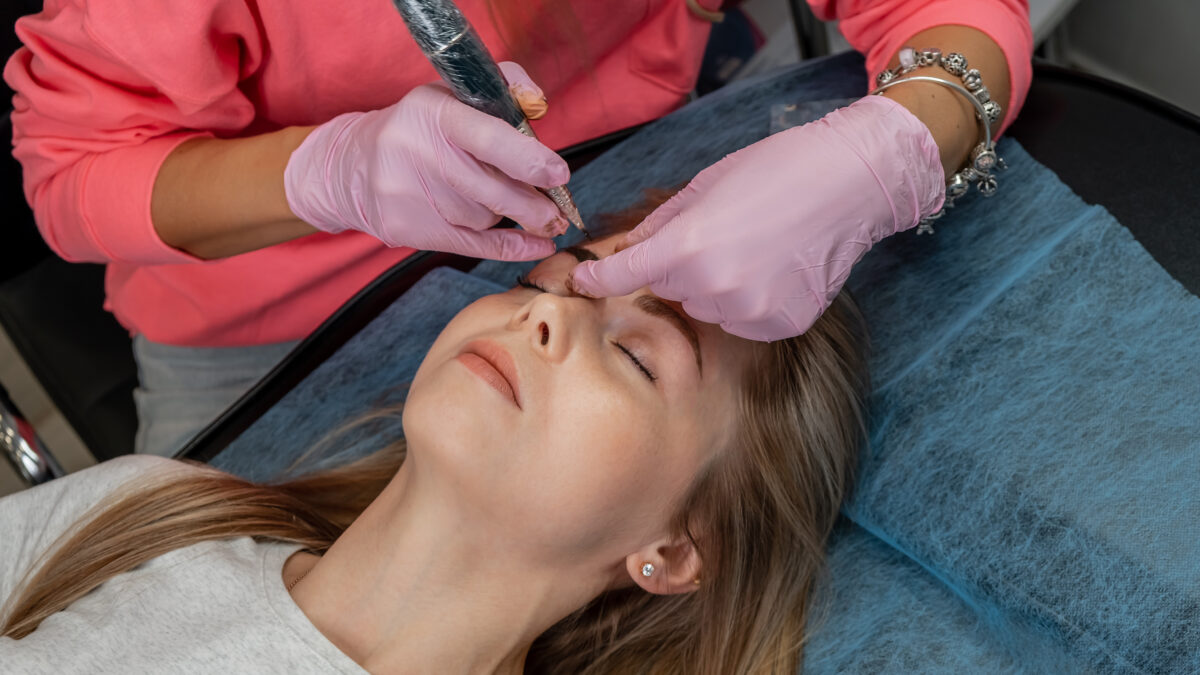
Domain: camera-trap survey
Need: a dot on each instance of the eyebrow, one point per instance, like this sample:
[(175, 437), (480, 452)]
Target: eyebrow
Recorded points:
[(581, 254), (656, 307)]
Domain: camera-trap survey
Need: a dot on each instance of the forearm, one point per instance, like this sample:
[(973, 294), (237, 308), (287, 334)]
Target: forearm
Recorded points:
[(215, 198), (949, 116)]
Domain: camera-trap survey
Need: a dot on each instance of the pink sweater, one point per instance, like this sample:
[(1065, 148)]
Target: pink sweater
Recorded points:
[(106, 90)]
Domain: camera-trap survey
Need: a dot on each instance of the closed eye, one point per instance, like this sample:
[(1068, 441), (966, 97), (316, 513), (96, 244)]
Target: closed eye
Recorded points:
[(636, 361), (524, 282)]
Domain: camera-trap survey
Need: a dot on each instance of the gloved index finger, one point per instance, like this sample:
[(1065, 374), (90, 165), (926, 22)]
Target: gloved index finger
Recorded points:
[(658, 218), (491, 140), (619, 274)]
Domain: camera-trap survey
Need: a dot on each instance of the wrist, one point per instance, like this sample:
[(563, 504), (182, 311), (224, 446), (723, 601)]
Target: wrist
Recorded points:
[(286, 141), (899, 155), (310, 174), (948, 116)]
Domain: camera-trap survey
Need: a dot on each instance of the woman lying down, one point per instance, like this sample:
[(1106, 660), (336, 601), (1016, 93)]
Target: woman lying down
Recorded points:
[(586, 486)]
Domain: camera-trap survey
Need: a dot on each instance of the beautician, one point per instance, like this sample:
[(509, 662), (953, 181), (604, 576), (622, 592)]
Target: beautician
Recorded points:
[(244, 168)]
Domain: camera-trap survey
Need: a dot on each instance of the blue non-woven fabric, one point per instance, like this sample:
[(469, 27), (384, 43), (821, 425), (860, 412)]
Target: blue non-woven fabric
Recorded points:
[(1035, 439), (1027, 501), (879, 611)]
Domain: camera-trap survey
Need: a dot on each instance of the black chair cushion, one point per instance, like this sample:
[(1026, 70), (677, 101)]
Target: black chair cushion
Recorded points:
[(82, 357)]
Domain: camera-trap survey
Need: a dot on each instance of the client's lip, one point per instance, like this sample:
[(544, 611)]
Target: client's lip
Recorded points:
[(494, 365)]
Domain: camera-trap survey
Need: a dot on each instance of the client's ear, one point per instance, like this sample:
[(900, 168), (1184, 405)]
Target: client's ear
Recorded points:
[(673, 566)]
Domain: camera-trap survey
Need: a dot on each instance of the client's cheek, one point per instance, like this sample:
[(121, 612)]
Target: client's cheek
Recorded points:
[(605, 468)]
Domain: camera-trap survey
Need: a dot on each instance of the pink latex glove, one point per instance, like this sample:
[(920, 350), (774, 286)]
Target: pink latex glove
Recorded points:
[(762, 241), (431, 173)]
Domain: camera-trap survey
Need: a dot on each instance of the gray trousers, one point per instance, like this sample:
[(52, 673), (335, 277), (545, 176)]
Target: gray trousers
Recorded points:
[(182, 389)]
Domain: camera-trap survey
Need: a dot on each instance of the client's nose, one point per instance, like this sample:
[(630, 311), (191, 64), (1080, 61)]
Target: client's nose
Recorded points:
[(547, 323)]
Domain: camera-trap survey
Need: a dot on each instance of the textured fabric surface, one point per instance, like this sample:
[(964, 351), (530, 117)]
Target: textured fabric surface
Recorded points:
[(1028, 498), (881, 612), (182, 389), (212, 607), (1035, 432)]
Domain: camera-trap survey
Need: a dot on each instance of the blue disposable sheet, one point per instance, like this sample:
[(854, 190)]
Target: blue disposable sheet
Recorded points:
[(1037, 425), (1028, 501)]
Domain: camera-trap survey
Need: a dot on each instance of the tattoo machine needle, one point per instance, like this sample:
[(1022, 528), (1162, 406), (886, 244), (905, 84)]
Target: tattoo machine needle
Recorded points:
[(459, 56)]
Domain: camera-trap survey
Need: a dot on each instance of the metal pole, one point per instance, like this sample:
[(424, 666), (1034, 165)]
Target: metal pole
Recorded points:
[(22, 447)]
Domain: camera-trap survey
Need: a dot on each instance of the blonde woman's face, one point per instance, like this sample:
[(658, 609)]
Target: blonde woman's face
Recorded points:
[(573, 426)]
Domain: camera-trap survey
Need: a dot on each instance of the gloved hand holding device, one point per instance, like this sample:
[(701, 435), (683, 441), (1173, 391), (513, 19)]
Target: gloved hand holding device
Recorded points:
[(432, 173), (762, 241)]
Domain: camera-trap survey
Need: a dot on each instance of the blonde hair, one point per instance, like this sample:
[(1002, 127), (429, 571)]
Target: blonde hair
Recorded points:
[(759, 517)]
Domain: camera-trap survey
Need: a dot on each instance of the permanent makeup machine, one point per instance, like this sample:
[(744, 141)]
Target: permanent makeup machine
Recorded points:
[(460, 57)]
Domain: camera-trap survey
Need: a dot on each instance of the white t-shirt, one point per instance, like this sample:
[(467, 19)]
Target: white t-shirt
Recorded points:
[(214, 607)]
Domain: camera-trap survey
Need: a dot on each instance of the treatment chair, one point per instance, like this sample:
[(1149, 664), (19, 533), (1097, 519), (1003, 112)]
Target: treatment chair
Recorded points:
[(1027, 499)]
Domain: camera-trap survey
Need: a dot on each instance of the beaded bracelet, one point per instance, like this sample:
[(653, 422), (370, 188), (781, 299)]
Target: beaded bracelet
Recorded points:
[(983, 156)]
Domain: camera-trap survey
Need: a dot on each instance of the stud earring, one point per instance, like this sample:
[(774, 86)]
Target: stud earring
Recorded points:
[(647, 569)]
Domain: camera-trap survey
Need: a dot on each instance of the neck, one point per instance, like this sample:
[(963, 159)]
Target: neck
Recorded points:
[(411, 587)]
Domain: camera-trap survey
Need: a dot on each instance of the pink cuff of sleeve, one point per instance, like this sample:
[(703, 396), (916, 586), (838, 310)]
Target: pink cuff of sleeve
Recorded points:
[(1001, 21), (114, 190)]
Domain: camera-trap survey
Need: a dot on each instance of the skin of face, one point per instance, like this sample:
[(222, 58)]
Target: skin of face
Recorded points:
[(593, 462)]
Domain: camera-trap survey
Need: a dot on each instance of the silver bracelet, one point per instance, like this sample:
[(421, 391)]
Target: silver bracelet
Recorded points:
[(983, 157), (953, 63)]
